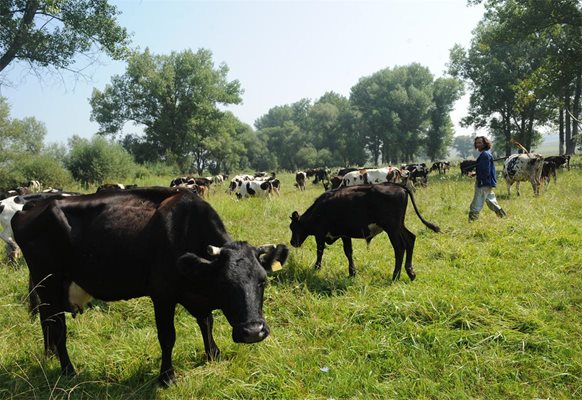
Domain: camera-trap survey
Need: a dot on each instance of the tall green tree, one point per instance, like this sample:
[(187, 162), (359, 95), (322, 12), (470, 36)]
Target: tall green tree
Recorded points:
[(439, 136), (51, 33), (464, 145), (176, 98)]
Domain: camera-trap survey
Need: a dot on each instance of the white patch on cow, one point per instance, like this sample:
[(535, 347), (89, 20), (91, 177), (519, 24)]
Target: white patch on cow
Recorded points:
[(78, 298)]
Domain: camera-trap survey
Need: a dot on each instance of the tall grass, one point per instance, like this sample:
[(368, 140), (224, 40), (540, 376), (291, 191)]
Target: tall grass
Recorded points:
[(495, 312)]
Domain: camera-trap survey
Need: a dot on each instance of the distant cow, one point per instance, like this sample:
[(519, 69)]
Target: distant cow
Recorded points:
[(300, 177), (371, 176), (360, 212), (441, 166), (559, 161), (523, 167), (417, 173), (164, 243), (115, 186), (237, 181), (548, 170), (255, 188), (467, 166)]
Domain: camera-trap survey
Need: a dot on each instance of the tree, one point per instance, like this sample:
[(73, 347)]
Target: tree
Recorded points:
[(45, 33), (464, 145), (439, 136), (175, 97), (525, 67)]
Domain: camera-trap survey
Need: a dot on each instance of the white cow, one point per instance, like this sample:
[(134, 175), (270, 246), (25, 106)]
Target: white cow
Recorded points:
[(236, 183), (523, 167)]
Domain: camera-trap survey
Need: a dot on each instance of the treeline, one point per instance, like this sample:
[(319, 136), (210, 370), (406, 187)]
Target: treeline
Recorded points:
[(394, 115)]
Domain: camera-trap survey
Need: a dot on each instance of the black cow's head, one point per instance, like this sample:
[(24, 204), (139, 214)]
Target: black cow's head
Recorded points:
[(235, 277), (298, 232)]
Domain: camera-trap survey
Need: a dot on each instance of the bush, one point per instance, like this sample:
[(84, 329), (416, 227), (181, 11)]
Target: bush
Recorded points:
[(98, 161)]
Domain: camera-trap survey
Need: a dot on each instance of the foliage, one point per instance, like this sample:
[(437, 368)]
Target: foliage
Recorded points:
[(464, 145), (494, 313), (97, 161), (524, 67), (51, 33), (176, 99), (46, 169)]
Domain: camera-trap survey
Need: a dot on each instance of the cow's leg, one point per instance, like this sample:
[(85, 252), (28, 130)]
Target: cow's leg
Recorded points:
[(348, 252), (164, 312), (397, 240), (535, 184), (409, 238), (517, 188), (320, 247), (206, 323), (52, 320)]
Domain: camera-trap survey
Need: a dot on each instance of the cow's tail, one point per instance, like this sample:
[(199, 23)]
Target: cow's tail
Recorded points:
[(429, 225)]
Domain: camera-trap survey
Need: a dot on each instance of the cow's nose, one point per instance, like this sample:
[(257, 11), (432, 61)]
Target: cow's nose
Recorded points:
[(251, 332)]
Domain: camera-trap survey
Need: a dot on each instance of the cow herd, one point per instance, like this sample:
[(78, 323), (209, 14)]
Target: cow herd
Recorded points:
[(169, 244)]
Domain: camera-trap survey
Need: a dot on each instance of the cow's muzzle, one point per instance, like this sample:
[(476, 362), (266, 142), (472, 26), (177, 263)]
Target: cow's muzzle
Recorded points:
[(250, 332)]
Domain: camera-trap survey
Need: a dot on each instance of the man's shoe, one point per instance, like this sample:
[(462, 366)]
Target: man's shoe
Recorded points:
[(501, 213)]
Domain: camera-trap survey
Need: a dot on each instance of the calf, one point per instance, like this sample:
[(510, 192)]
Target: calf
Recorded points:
[(559, 161), (548, 169), (360, 212), (163, 243), (523, 167)]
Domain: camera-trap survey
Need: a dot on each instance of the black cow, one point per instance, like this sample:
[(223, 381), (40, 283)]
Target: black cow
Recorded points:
[(559, 161), (165, 243), (361, 211), (467, 166)]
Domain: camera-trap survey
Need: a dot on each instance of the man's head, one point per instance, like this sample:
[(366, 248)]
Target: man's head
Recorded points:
[(482, 143)]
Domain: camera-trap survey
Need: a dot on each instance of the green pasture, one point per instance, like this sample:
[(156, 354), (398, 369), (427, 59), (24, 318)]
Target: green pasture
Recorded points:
[(495, 312)]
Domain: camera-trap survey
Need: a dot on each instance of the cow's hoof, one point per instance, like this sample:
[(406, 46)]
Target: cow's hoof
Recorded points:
[(69, 371), (167, 379)]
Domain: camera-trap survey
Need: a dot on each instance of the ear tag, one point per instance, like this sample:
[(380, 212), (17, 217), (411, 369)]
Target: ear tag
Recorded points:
[(276, 266)]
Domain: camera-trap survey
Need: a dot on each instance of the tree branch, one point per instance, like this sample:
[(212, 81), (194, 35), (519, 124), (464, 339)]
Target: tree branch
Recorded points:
[(20, 37)]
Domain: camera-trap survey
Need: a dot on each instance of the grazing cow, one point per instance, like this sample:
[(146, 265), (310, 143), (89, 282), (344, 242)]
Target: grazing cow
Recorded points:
[(417, 173), (371, 176), (164, 243), (559, 161), (360, 212), (300, 178), (237, 181), (467, 166), (115, 186), (9, 207), (255, 188), (523, 167)]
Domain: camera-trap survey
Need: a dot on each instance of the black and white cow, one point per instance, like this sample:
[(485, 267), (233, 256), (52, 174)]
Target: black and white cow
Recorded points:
[(523, 167), (163, 243), (255, 188), (467, 166), (360, 212), (374, 175), (300, 178)]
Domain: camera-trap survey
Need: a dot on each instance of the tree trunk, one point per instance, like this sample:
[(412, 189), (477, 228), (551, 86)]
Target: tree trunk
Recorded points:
[(507, 132), (567, 119), (561, 130), (21, 35), (576, 112)]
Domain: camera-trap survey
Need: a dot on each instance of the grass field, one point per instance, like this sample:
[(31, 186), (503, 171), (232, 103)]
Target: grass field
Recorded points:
[(495, 313)]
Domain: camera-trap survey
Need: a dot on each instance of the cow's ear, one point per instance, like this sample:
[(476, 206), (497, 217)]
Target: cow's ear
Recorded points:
[(272, 257), (295, 216), (192, 266)]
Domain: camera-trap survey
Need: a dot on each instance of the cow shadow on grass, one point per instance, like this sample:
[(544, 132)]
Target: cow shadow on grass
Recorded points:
[(20, 379), (315, 280)]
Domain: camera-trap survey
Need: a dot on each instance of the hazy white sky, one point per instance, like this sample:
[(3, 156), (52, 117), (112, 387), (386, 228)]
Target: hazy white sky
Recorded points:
[(280, 51)]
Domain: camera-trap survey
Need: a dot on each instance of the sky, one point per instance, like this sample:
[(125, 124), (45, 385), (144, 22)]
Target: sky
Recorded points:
[(280, 51)]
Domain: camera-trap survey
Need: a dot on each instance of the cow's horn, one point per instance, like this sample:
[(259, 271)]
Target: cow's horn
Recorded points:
[(213, 250)]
